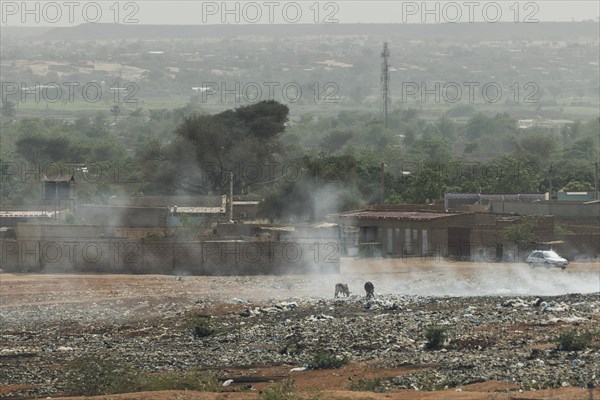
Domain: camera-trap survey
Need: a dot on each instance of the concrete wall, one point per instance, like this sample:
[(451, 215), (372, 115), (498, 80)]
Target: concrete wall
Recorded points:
[(14, 221), (408, 207), (558, 209), (245, 212), (134, 217), (224, 230), (141, 233), (164, 201), (579, 245), (456, 201), (144, 256), (32, 231)]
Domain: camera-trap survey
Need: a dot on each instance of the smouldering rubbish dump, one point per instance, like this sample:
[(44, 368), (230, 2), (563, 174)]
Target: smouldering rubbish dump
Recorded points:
[(162, 324)]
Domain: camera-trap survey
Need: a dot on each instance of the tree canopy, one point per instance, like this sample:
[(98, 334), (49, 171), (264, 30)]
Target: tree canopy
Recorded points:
[(207, 148)]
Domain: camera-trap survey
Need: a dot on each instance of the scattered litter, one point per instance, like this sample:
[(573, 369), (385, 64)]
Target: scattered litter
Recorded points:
[(320, 317)]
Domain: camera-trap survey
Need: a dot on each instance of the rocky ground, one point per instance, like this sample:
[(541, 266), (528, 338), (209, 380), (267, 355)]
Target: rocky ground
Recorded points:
[(500, 334)]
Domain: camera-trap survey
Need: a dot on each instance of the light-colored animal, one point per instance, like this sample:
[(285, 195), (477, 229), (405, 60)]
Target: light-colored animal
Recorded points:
[(370, 289), (342, 288)]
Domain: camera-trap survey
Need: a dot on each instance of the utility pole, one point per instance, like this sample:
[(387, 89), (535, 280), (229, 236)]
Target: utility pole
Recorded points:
[(385, 82), (231, 196), (56, 201), (382, 183), (550, 174), (596, 179)]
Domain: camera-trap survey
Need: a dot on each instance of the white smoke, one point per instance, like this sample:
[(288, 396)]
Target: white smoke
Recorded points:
[(443, 278)]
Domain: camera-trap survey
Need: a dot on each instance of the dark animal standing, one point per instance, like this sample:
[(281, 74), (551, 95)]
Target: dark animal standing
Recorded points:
[(370, 289), (342, 288)]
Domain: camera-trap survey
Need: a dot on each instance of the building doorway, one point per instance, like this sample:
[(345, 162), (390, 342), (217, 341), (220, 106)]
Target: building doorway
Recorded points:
[(459, 243)]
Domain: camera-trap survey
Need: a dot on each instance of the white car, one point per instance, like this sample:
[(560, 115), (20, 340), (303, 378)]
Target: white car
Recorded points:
[(547, 258)]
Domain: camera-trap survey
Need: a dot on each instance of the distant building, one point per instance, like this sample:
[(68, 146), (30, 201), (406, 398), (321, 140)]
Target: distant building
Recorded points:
[(413, 231), (169, 201), (13, 216), (215, 207), (169, 211), (402, 232), (58, 189), (567, 210), (575, 196), (57, 198), (461, 201), (245, 208)]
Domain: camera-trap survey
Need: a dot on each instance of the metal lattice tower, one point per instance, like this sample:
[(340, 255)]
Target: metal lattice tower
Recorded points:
[(385, 82)]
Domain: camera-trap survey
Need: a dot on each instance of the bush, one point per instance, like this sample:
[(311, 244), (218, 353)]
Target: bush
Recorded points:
[(199, 380), (363, 385), (279, 392), (435, 335), (70, 218), (293, 346), (204, 328), (573, 340), (155, 235), (89, 376), (325, 359), (201, 325)]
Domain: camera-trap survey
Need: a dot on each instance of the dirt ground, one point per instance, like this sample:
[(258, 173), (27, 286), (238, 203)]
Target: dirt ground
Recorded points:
[(36, 289), (481, 392)]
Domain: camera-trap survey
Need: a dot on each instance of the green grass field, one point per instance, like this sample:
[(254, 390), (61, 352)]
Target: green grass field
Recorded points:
[(564, 109)]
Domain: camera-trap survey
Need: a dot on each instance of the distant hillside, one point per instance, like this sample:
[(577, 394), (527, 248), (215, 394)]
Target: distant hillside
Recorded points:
[(14, 32), (572, 31)]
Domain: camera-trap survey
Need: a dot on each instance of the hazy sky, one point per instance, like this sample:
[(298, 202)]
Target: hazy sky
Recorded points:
[(72, 12)]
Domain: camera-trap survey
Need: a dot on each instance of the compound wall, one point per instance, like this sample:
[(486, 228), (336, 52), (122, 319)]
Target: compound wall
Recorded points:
[(144, 256)]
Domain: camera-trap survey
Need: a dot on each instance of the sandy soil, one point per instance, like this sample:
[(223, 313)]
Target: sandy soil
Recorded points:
[(487, 392)]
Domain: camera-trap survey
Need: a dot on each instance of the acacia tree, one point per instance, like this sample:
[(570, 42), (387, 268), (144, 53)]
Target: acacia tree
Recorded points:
[(206, 148), (426, 184), (522, 231), (324, 184)]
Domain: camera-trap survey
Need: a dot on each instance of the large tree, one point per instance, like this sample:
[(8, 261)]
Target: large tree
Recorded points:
[(207, 148)]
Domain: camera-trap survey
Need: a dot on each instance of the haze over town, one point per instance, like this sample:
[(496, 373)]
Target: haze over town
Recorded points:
[(186, 186)]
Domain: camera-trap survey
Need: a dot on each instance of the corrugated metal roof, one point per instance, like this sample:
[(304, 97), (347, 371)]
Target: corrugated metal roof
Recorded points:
[(277, 228), (162, 201), (197, 210), (28, 214), (398, 215), (58, 178), (326, 225)]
